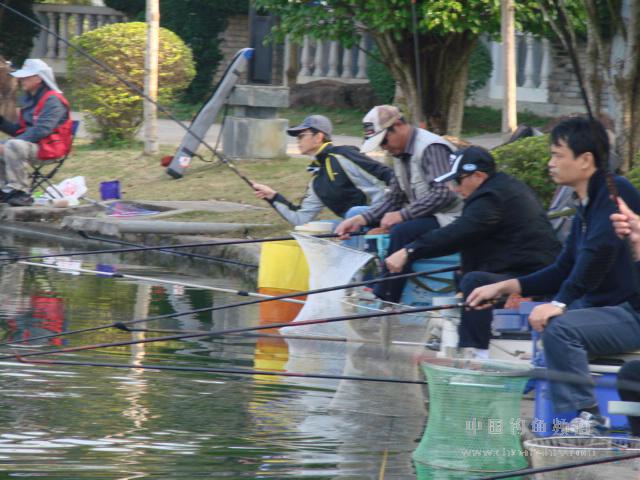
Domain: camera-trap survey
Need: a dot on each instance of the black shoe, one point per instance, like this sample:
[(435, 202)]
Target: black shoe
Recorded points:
[(19, 199), (4, 196)]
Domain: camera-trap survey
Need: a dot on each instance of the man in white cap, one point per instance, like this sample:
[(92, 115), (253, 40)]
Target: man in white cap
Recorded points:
[(419, 204), (43, 131), (344, 180)]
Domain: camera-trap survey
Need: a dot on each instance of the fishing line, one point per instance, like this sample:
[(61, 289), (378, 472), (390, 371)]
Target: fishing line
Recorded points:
[(199, 256), (154, 280), (179, 245), (222, 371), (219, 333)]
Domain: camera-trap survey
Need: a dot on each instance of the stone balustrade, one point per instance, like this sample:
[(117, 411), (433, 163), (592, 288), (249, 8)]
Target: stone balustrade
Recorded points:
[(67, 21), (533, 58), (328, 59)]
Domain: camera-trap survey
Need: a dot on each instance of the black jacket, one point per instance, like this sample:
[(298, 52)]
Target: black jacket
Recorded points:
[(503, 229)]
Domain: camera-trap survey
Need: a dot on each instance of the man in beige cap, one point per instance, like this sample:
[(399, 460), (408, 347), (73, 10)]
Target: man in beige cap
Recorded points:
[(43, 131), (419, 204)]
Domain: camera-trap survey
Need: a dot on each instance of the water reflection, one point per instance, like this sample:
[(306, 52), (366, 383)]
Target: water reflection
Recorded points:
[(63, 422)]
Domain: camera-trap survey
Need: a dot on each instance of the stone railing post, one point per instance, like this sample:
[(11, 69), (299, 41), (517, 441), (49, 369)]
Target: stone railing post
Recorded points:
[(254, 129)]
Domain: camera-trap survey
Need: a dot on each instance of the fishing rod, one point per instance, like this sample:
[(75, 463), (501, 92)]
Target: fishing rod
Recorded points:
[(133, 87), (564, 466), (222, 371), (324, 338), (220, 333), (199, 256), (243, 293), (179, 245), (233, 305)]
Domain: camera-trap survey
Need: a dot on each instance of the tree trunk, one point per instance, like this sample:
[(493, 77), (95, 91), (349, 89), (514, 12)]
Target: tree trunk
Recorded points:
[(624, 87), (8, 89), (294, 64), (445, 64)]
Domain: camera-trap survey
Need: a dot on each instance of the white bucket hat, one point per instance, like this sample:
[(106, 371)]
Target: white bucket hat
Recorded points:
[(35, 66)]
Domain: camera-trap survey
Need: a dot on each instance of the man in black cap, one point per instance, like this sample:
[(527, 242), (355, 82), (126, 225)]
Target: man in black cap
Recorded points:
[(503, 232), (344, 180)]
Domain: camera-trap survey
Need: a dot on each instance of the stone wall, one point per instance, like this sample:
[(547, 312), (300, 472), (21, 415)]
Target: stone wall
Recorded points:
[(238, 36), (235, 37)]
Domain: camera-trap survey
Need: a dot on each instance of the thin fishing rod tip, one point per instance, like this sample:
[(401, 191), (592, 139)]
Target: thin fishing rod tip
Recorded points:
[(82, 233), (121, 326)]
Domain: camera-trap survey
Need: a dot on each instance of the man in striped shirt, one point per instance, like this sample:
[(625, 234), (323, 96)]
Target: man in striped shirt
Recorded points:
[(418, 204)]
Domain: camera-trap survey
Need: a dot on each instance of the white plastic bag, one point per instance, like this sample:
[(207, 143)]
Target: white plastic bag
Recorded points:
[(71, 189)]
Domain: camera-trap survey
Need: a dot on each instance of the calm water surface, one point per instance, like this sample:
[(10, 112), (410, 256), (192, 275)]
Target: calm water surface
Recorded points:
[(94, 422)]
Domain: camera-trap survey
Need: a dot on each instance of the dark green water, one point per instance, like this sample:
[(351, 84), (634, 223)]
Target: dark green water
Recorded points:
[(94, 422)]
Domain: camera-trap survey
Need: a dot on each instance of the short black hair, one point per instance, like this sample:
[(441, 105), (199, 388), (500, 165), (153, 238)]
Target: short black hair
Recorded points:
[(584, 135)]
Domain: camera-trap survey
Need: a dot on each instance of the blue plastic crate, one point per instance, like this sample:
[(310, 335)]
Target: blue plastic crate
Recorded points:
[(419, 291), (508, 320)]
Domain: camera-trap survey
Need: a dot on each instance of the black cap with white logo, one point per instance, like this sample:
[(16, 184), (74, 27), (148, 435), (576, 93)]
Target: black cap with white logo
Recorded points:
[(469, 160)]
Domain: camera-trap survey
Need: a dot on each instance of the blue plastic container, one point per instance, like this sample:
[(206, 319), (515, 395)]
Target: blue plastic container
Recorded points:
[(508, 320), (110, 190), (605, 391), (419, 291)]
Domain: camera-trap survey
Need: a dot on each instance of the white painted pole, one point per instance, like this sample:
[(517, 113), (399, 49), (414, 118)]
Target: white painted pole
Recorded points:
[(509, 112), (151, 78)]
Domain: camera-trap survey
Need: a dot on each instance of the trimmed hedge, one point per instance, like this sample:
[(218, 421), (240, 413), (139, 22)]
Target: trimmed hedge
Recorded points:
[(115, 111), (527, 160)]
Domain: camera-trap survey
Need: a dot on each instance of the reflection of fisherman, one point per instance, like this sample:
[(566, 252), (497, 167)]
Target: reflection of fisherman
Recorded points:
[(344, 180), (42, 133)]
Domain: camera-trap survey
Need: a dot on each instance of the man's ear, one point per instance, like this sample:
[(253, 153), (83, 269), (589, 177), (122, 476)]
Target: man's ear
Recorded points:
[(587, 159)]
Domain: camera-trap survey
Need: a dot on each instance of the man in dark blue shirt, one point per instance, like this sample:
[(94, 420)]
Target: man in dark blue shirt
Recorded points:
[(594, 269)]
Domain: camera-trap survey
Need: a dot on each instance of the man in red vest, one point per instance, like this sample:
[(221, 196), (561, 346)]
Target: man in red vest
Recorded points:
[(43, 131)]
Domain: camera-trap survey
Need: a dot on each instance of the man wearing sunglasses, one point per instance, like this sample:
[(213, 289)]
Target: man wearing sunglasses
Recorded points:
[(503, 232), (418, 204), (344, 180)]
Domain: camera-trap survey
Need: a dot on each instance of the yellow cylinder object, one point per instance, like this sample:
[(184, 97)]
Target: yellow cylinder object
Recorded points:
[(283, 266)]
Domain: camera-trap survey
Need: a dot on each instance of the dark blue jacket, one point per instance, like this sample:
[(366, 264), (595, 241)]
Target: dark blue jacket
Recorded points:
[(595, 267)]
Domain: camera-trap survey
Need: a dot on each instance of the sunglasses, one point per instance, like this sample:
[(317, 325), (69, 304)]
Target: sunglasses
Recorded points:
[(459, 178)]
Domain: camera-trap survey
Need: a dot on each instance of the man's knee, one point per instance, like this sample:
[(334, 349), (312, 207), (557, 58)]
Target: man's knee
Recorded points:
[(19, 150), (559, 332)]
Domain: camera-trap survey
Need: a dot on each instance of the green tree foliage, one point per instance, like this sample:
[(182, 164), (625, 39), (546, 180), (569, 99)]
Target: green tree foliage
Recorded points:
[(480, 68), (380, 78), (448, 31), (199, 23), (527, 160), (115, 111), (16, 34)]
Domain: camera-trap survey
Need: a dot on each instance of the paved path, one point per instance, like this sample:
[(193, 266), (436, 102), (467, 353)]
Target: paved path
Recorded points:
[(170, 133)]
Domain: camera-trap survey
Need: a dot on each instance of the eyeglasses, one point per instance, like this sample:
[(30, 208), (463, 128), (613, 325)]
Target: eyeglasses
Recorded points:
[(459, 178), (304, 134)]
